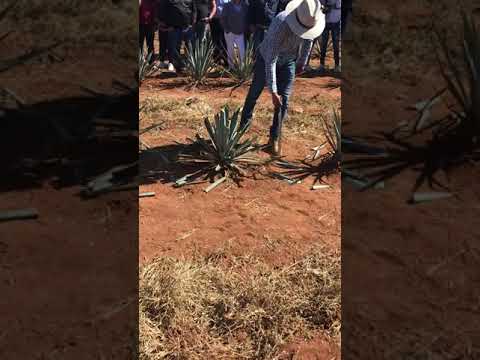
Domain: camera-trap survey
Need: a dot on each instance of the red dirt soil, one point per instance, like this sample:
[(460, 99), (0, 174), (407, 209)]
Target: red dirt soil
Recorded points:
[(60, 274), (264, 217), (177, 221), (409, 273)]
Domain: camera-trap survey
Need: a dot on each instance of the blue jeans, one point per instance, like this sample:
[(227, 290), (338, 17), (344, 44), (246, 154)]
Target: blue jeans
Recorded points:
[(285, 79), (258, 37), (174, 44), (334, 29)]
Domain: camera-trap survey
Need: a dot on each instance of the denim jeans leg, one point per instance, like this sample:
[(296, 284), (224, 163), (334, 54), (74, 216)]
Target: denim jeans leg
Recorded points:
[(150, 36), (174, 42), (336, 42), (188, 36), (324, 43), (285, 80), (142, 35), (162, 45), (258, 38), (258, 84)]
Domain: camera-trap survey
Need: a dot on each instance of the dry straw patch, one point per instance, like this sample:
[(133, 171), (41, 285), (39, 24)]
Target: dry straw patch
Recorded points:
[(203, 309)]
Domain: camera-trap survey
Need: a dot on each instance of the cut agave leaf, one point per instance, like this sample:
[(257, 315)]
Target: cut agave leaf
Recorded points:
[(421, 197), (215, 184), (320, 187)]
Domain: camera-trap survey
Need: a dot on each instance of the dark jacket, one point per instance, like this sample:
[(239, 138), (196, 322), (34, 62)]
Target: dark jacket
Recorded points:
[(262, 12), (177, 13), (203, 8)]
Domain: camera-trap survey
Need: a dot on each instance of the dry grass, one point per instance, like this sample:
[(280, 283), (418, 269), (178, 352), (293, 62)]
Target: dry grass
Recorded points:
[(206, 309), (304, 117)]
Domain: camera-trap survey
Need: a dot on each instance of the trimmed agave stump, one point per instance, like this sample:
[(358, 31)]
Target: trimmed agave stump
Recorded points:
[(317, 166), (225, 154)]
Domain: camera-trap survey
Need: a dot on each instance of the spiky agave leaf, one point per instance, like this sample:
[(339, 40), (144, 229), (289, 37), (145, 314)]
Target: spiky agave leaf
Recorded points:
[(224, 152), (452, 139), (320, 167), (464, 85), (199, 60), (332, 131), (145, 66), (242, 69)]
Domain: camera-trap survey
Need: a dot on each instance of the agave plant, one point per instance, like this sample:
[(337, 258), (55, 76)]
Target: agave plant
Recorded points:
[(465, 118), (242, 69), (199, 60), (145, 66), (438, 145), (225, 154), (319, 167)]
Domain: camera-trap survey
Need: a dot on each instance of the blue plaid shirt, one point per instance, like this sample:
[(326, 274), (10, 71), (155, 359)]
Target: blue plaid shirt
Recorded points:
[(281, 45)]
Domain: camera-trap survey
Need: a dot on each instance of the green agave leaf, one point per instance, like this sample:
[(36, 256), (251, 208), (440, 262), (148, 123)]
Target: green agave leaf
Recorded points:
[(420, 197), (215, 184), (454, 81), (199, 60)]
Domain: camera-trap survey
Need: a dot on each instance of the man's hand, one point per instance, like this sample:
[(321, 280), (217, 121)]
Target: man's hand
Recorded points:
[(276, 100)]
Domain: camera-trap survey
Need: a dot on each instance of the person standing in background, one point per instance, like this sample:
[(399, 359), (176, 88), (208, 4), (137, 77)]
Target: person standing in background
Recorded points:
[(206, 10), (260, 16), (162, 47), (177, 17), (147, 12), (234, 22), (162, 39), (333, 13), (217, 32)]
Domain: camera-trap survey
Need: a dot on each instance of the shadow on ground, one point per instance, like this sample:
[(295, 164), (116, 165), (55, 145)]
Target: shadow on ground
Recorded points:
[(67, 141)]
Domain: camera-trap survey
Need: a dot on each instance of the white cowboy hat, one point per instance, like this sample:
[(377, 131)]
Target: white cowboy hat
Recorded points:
[(305, 18)]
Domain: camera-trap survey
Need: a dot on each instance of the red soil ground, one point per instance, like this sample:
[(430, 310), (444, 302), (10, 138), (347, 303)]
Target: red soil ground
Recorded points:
[(59, 274), (264, 217), (247, 218), (410, 273)]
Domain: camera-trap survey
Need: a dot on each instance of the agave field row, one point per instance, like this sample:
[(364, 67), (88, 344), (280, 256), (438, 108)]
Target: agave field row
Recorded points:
[(199, 61)]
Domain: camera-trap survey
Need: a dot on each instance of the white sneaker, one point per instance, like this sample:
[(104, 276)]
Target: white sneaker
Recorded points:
[(171, 67), (163, 65)]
